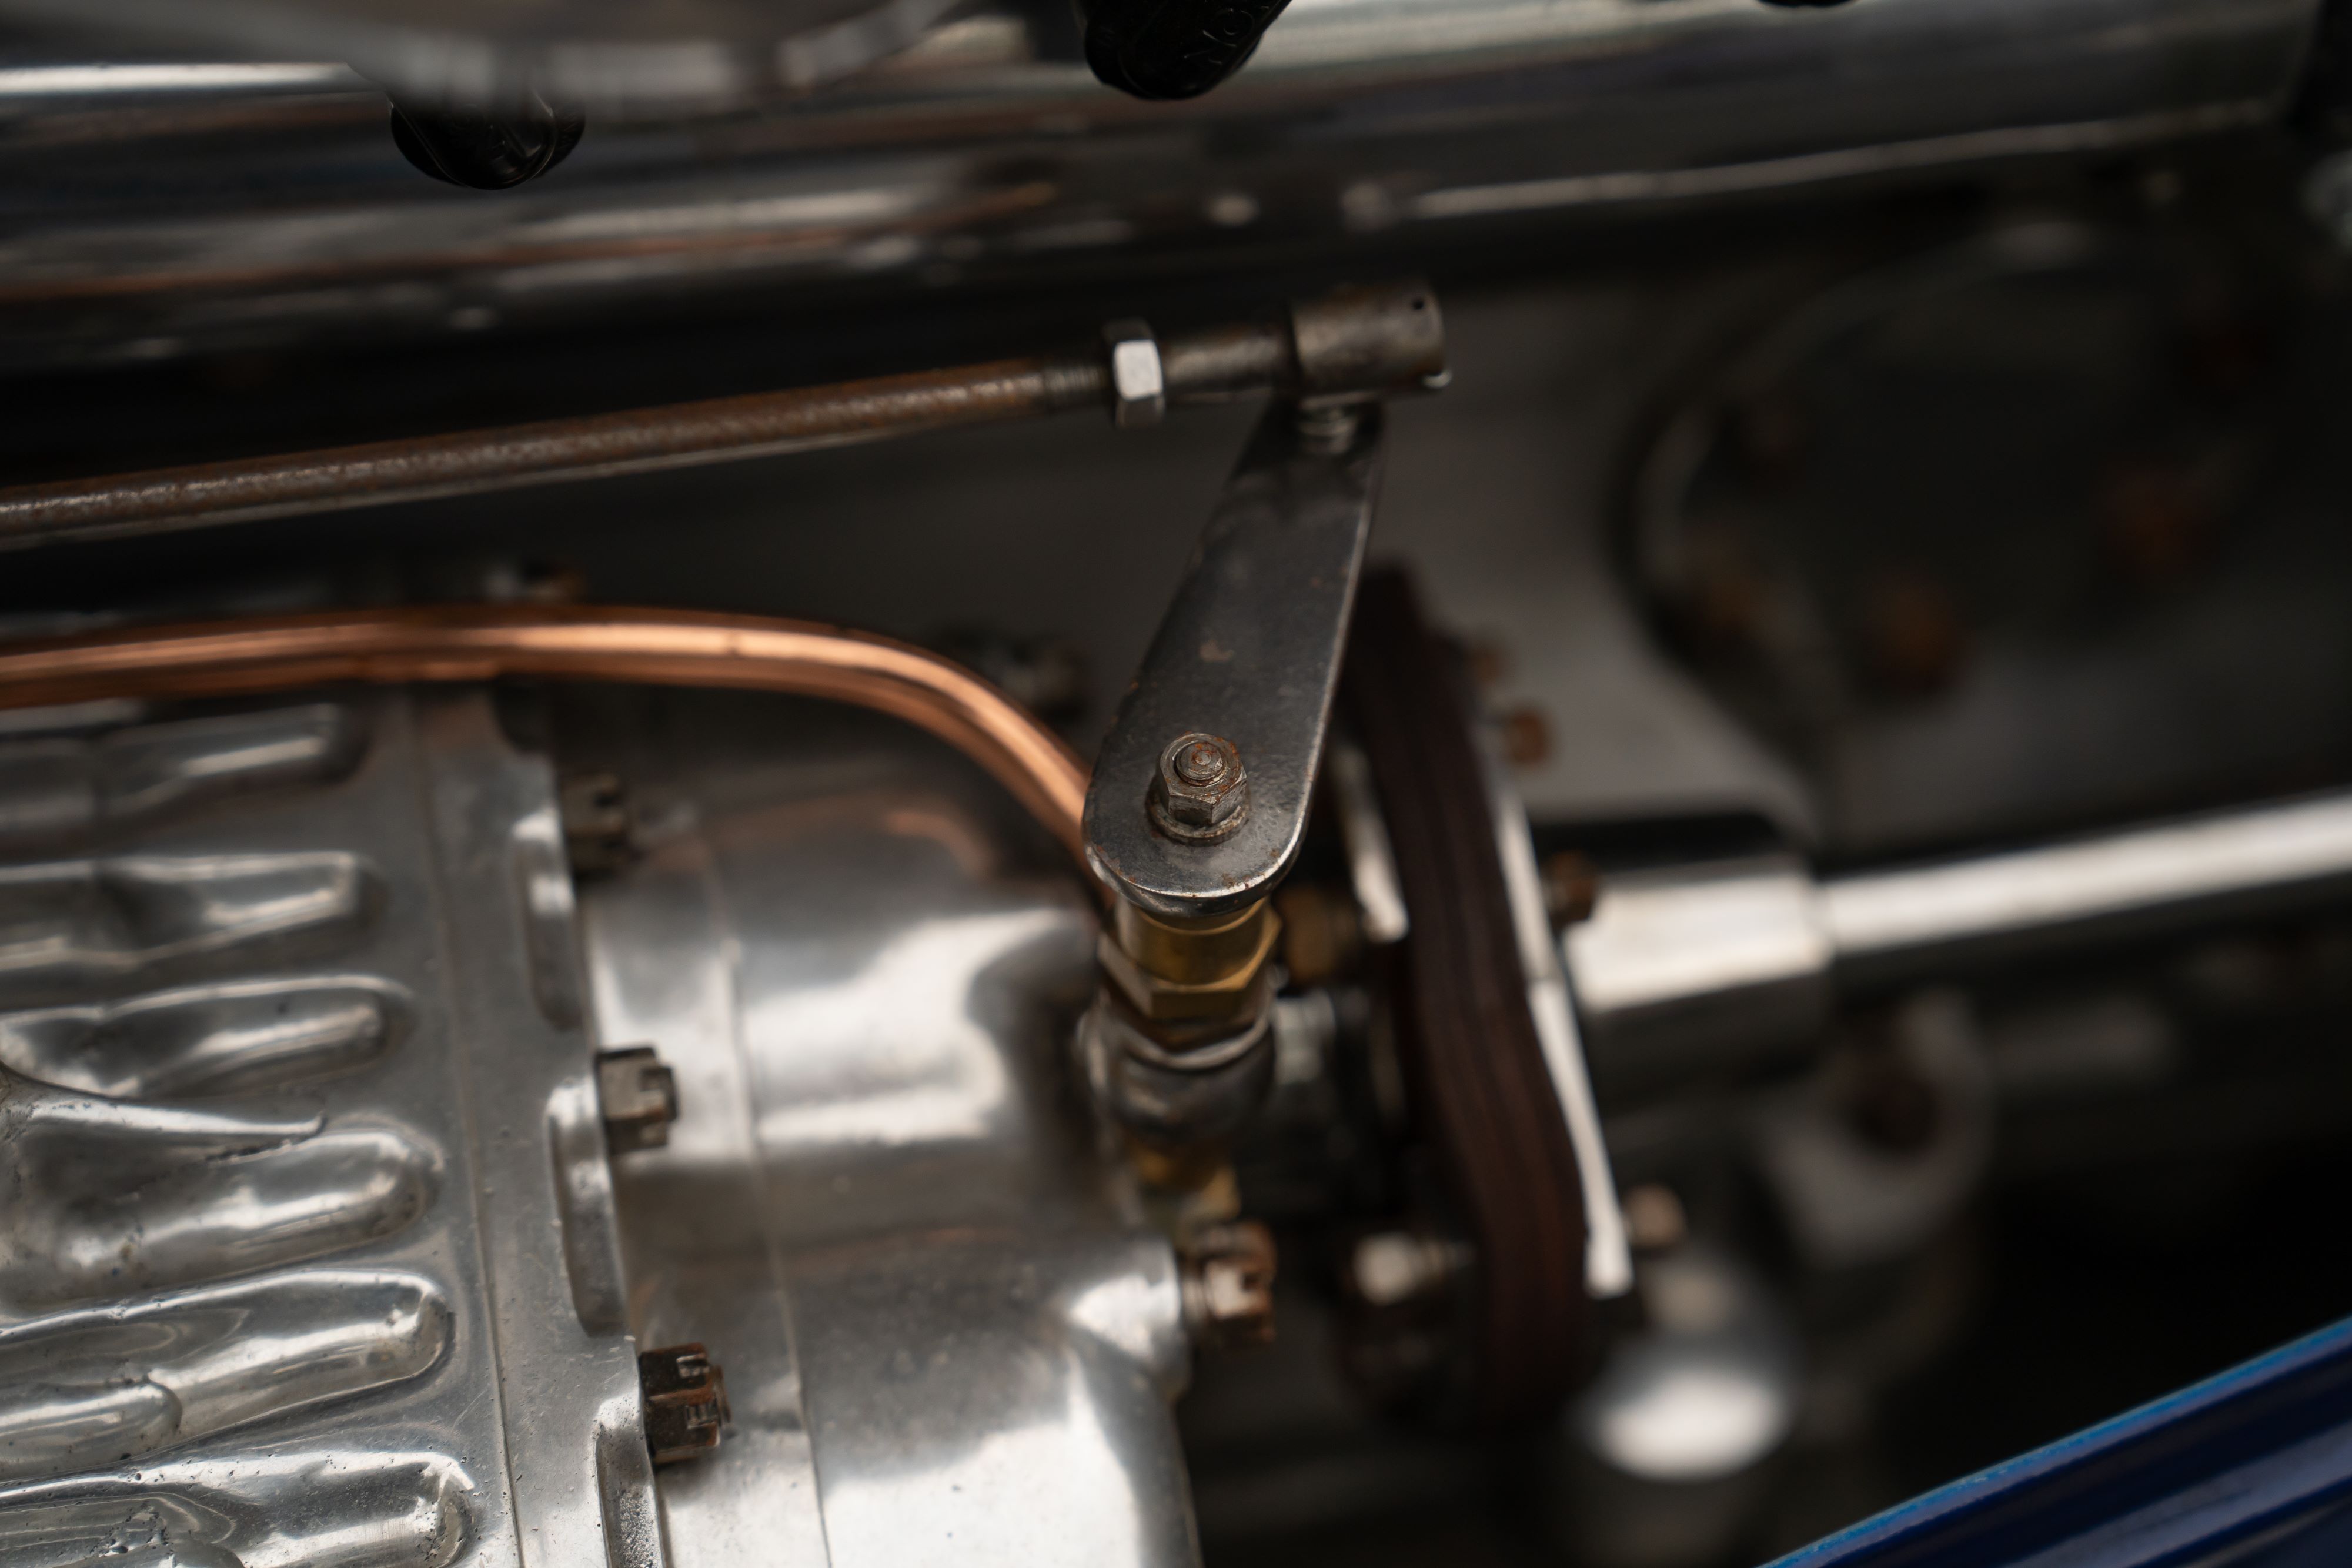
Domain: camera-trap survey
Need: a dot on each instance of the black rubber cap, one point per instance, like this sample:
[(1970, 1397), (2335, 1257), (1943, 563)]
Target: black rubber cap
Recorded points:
[(1173, 48), (486, 151)]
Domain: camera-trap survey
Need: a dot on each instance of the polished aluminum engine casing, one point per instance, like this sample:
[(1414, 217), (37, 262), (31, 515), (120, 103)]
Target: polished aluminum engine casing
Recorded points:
[(307, 1253), (948, 1337), (310, 1257)]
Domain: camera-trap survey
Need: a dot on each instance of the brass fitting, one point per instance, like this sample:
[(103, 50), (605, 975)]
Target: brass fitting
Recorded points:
[(1190, 971)]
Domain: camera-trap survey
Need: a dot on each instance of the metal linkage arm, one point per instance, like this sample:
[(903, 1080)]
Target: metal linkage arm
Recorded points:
[(1199, 793), (1199, 799)]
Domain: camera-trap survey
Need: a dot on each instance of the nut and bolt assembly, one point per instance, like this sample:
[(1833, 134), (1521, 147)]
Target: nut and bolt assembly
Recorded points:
[(1177, 1046), (639, 1098), (1228, 1283), (685, 1397), (1201, 794)]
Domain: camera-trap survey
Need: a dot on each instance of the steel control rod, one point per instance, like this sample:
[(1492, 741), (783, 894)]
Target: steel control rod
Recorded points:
[(1691, 962), (1357, 342)]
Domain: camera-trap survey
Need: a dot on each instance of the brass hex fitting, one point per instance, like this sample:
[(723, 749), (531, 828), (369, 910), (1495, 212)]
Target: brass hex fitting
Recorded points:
[(1178, 1046), (1190, 971)]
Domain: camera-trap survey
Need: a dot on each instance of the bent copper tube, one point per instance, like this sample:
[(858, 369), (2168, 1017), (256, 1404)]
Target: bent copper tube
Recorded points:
[(648, 647)]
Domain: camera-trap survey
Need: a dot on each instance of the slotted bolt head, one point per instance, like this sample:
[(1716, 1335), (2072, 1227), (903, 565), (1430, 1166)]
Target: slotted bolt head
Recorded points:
[(1201, 791)]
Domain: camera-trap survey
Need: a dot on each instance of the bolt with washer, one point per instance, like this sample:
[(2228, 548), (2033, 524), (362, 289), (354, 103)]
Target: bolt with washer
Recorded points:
[(1201, 791)]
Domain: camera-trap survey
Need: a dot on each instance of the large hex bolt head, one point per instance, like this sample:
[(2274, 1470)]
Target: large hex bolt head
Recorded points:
[(1201, 792)]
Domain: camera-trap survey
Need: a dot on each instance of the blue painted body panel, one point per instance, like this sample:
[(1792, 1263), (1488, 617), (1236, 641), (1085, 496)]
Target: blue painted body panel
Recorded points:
[(2252, 1469)]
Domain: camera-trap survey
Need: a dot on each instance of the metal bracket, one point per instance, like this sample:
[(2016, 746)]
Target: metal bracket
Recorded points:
[(1249, 652)]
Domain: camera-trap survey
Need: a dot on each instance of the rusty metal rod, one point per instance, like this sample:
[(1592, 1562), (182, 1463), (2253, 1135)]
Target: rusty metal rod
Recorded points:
[(1202, 366), (1354, 342), (466, 462), (652, 647)]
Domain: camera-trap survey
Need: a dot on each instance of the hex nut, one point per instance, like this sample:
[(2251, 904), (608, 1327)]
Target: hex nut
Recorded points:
[(1228, 1284), (599, 823), (1177, 1096), (639, 1098), (1200, 793), (1138, 385), (1162, 1000), (684, 1395)]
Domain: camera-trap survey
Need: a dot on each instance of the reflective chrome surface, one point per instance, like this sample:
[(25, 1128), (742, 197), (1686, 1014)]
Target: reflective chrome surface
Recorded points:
[(1675, 963), (1679, 962), (948, 1338), (1710, 1388), (170, 205), (262, 1056), (596, 54), (1679, 1436), (1916, 916), (56, 789)]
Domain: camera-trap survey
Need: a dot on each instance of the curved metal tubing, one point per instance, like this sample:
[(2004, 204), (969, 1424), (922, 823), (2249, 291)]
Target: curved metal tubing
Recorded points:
[(651, 647)]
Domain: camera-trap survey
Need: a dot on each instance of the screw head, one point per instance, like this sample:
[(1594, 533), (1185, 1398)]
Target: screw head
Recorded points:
[(1201, 791)]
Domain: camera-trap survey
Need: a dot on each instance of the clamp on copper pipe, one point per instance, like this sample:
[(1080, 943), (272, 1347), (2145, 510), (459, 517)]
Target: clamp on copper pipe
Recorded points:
[(646, 647)]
